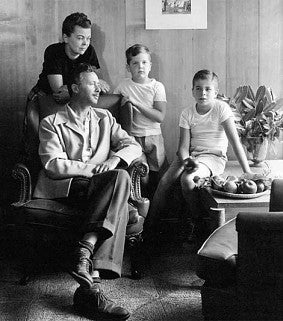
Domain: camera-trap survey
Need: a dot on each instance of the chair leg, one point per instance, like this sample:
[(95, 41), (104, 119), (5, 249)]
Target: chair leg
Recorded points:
[(134, 243)]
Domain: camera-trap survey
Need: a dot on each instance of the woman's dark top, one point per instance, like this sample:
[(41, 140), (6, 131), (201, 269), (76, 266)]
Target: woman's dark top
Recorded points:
[(56, 62)]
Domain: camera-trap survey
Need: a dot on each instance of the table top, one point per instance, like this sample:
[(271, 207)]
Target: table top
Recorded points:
[(219, 201), (273, 169)]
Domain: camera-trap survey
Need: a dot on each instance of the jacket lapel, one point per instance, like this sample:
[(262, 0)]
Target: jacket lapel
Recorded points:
[(62, 117)]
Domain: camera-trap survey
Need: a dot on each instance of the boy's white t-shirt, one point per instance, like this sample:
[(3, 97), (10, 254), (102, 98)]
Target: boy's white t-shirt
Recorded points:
[(145, 94), (207, 134)]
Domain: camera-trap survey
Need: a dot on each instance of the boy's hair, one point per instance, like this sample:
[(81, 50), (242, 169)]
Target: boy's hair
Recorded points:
[(205, 74), (135, 50), (75, 19)]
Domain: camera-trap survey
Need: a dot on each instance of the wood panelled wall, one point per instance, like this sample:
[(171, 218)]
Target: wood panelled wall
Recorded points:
[(242, 44)]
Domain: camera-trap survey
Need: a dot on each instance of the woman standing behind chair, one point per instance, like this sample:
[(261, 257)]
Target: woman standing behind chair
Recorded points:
[(61, 58)]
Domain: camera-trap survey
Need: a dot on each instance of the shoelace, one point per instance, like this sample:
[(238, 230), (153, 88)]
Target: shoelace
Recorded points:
[(88, 262)]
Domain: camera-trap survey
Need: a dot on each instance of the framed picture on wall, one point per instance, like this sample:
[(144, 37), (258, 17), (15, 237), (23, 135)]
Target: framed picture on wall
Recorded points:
[(175, 14)]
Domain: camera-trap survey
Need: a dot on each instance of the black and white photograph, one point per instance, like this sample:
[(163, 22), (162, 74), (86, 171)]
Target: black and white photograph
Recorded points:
[(176, 7), (141, 157)]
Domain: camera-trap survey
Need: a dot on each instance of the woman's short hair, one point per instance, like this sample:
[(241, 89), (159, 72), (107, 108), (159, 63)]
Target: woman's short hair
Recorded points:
[(75, 19)]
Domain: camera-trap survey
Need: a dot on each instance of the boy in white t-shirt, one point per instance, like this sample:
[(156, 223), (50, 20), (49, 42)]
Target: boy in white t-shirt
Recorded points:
[(148, 99), (204, 132)]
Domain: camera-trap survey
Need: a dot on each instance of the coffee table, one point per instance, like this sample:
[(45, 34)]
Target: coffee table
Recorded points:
[(221, 209)]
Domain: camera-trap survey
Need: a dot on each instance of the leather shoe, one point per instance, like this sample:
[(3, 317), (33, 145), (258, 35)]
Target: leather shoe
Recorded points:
[(93, 304), (82, 264)]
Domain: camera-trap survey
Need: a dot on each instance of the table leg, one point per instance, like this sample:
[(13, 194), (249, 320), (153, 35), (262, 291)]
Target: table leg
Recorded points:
[(217, 218)]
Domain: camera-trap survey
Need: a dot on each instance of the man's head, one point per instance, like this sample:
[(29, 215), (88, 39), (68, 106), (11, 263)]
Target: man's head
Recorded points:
[(205, 87), (76, 32), (85, 87), (138, 62)]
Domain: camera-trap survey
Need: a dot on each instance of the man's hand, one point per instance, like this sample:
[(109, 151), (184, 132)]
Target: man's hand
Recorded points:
[(62, 95), (104, 86), (108, 165)]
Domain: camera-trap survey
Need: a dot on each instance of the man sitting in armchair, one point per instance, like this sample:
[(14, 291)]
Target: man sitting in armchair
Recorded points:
[(80, 149)]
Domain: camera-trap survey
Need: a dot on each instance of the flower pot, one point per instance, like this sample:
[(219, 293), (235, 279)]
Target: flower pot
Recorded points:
[(256, 150)]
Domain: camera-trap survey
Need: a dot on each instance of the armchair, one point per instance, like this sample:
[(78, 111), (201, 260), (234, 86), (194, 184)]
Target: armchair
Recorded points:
[(242, 265), (53, 222)]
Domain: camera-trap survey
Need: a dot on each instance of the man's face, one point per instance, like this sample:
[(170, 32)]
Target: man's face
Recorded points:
[(205, 91), (78, 41), (88, 89)]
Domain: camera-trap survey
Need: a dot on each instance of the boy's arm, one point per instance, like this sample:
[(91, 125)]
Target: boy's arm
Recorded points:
[(189, 163), (233, 137), (157, 113), (184, 144)]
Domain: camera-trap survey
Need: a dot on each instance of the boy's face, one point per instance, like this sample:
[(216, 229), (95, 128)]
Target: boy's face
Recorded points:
[(78, 41), (205, 91), (88, 89), (139, 67)]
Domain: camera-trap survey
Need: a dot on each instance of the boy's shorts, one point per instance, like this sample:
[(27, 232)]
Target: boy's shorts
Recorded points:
[(154, 150), (215, 163)]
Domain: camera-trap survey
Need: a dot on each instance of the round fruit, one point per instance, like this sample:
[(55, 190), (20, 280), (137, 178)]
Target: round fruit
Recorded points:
[(217, 182), (230, 187), (260, 186), (248, 187)]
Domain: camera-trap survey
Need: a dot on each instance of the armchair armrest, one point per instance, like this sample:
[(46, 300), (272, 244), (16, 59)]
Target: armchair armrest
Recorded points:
[(21, 173), (126, 117), (136, 171)]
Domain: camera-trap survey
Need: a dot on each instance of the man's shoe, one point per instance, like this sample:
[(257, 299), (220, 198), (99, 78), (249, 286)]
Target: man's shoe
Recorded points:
[(82, 265), (93, 303)]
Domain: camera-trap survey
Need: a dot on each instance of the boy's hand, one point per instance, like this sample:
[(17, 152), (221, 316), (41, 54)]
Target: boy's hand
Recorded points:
[(191, 165)]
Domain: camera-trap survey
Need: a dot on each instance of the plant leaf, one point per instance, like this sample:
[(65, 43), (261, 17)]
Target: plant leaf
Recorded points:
[(247, 104), (260, 94), (259, 107), (251, 93), (249, 115)]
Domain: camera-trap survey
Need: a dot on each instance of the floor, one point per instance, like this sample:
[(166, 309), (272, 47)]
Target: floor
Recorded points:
[(169, 289)]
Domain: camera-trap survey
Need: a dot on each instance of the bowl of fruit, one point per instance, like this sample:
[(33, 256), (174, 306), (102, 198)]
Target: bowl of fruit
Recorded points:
[(239, 187)]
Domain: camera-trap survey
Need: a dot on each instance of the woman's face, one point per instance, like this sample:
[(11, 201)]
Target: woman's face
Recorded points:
[(78, 42)]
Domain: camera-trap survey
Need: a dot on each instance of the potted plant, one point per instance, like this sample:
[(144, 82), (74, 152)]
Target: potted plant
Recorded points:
[(258, 117)]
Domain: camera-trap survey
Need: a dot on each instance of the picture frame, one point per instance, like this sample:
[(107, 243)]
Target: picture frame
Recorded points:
[(172, 14)]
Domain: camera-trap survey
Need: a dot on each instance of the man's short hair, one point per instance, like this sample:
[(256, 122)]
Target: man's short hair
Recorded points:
[(75, 19), (205, 74), (135, 50), (76, 74)]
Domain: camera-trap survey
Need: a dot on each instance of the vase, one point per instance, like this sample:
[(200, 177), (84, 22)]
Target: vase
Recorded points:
[(256, 150)]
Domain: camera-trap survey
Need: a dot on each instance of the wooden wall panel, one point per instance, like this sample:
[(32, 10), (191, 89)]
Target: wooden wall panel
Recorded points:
[(109, 38), (209, 46), (270, 45), (242, 44), (242, 56)]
